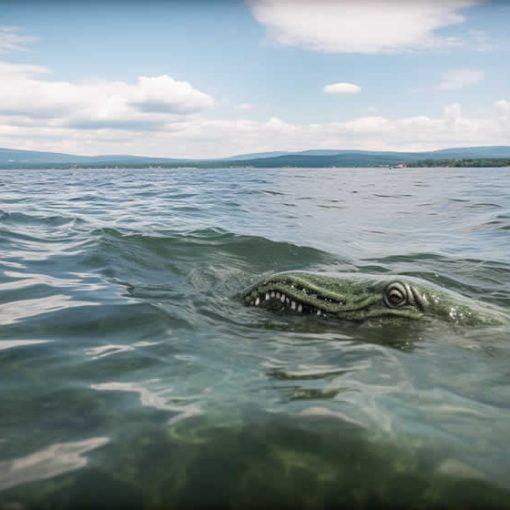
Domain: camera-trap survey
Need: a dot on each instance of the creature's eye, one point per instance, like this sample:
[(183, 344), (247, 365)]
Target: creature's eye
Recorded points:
[(395, 295)]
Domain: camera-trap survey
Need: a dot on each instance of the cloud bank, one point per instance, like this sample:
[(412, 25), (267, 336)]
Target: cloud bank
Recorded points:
[(161, 116)]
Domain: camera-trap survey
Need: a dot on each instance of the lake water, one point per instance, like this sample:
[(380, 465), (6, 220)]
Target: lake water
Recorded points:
[(132, 376)]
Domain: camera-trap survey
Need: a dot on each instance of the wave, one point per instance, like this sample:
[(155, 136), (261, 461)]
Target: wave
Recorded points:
[(20, 218), (179, 253)]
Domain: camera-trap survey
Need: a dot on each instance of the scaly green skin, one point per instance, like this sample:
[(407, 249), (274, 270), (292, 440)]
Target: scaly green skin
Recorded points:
[(358, 298)]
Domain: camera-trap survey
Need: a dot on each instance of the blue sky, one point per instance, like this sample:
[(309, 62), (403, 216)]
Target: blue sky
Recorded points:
[(228, 76)]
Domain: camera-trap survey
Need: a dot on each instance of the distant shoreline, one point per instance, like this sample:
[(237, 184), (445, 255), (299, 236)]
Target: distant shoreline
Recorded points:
[(485, 156), (314, 162)]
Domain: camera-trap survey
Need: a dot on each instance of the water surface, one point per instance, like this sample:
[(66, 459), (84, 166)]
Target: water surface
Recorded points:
[(132, 376)]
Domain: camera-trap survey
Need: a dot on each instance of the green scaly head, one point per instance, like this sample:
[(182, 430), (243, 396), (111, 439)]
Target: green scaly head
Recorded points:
[(357, 298)]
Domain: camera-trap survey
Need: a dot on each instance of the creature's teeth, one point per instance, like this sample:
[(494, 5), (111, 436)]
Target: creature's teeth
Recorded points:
[(293, 305), (257, 302), (318, 312), (267, 296), (278, 295), (287, 300), (272, 294), (282, 299), (300, 308)]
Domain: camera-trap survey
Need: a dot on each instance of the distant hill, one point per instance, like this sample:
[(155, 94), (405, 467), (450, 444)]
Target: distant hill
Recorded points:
[(13, 156), (474, 152), (257, 155), (9, 156), (347, 159), (466, 152), (314, 158)]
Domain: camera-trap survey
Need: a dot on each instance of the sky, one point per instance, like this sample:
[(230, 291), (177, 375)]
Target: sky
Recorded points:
[(204, 79)]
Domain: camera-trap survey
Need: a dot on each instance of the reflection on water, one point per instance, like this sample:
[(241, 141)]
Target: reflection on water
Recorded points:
[(16, 310), (156, 400), (9, 344), (52, 461), (132, 376)]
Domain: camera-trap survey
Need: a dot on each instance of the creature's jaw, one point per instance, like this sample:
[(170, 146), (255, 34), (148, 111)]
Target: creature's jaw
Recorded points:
[(295, 294), (280, 297)]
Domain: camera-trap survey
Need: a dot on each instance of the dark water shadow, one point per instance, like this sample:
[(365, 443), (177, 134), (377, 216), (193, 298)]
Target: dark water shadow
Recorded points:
[(265, 461)]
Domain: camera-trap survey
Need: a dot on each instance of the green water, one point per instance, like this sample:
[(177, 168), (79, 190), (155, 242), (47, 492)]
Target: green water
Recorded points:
[(132, 376)]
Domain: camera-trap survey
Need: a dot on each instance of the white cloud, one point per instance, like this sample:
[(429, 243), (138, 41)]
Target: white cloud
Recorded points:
[(360, 26), (452, 111), (502, 105), (460, 78), (12, 40), (24, 92), (342, 88), (246, 106)]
